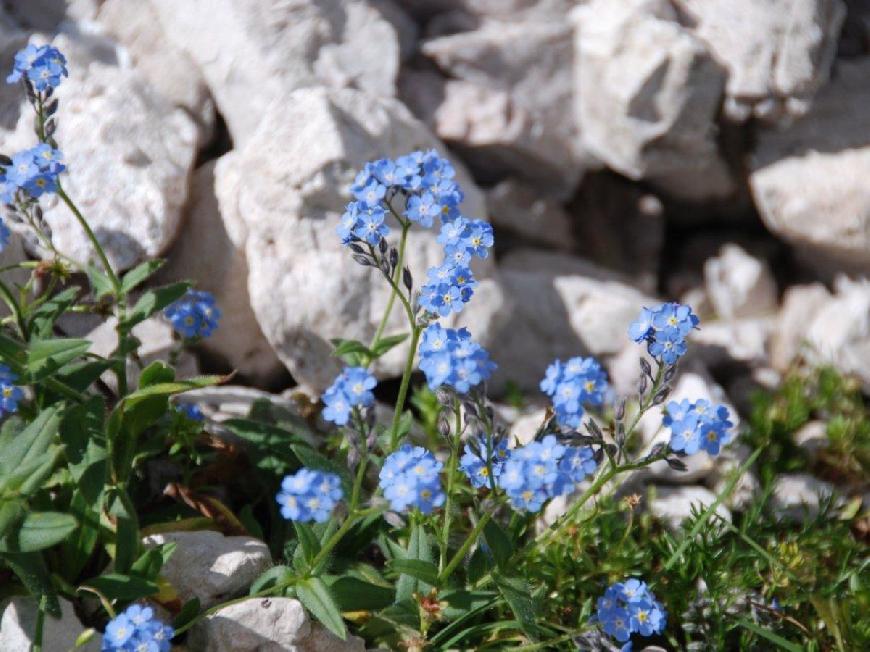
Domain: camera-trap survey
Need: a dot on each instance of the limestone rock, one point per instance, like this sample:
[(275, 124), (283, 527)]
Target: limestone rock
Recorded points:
[(205, 253), (647, 93), (673, 505), (797, 496), (778, 53), (209, 566), (812, 437), (809, 180), (266, 625), (517, 207), (281, 196), (252, 53), (739, 285), (18, 620)]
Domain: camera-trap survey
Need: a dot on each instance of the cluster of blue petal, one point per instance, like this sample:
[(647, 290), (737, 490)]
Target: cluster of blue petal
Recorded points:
[(664, 330), (410, 478), (482, 459), (573, 385), (630, 608), (449, 356), (42, 65), (10, 393), (191, 411), (698, 425), (136, 630), (352, 388), (544, 469), (309, 495), (194, 315), (34, 170)]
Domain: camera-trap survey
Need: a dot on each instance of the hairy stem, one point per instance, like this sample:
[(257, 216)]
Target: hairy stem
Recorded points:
[(397, 277), (451, 480), (466, 545), (403, 388)]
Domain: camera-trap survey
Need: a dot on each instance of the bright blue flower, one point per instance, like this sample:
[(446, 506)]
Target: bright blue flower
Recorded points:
[(697, 425), (191, 410), (10, 393), (370, 226), (136, 630), (630, 608), (42, 65), (450, 357), (372, 194), (352, 388), (410, 478), (665, 330), (309, 495), (194, 315), (5, 234), (617, 623), (33, 170), (118, 632), (423, 209), (483, 459), (572, 385)]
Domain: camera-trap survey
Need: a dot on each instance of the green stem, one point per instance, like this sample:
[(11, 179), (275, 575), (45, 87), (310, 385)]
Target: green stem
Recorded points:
[(397, 276), (36, 646), (358, 480), (15, 308), (463, 550), (451, 479), (403, 388), (116, 283), (334, 540)]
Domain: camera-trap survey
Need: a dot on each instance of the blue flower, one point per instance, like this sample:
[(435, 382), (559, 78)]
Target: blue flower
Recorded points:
[(10, 394), (309, 495), (483, 459), (450, 357), (697, 425), (423, 209), (5, 234), (630, 608), (665, 330), (194, 315), (190, 410), (43, 66), (33, 170), (352, 388), (573, 385), (372, 194), (410, 478), (136, 630)]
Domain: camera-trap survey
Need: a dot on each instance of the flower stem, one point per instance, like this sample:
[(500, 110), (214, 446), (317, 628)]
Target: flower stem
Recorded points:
[(397, 277), (463, 550), (403, 388), (451, 479)]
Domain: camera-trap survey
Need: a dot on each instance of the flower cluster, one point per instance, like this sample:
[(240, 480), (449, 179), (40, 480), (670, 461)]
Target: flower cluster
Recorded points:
[(449, 356), (697, 425), (136, 630), (578, 382), (34, 170), (410, 478), (352, 388), (194, 315), (190, 411), (630, 608), (42, 65), (544, 469), (664, 330), (309, 495), (10, 394), (483, 458)]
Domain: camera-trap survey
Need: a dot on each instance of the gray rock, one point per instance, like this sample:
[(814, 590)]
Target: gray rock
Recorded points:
[(647, 93), (519, 208), (673, 505), (49, 15), (18, 622), (796, 496), (266, 625), (209, 566), (206, 254), (818, 167), (12, 254), (778, 53), (252, 53), (281, 196), (739, 285)]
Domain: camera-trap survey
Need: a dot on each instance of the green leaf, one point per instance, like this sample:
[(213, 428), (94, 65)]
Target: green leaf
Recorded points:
[(126, 544), (156, 372), (425, 571), (140, 274), (153, 301), (188, 612), (171, 388), (498, 542), (516, 593), (31, 569), (268, 445), (272, 577), (28, 478), (100, 282), (308, 541), (385, 344), (81, 374), (11, 512), (152, 560), (117, 586), (315, 596), (763, 632), (81, 433), (46, 357), (354, 594), (39, 530), (42, 318), (418, 548), (30, 443), (78, 548)]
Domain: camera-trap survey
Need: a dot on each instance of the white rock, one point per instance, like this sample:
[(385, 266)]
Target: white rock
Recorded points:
[(673, 505), (738, 284), (796, 496), (524, 429), (205, 253), (167, 68), (209, 566), (18, 621), (778, 53), (647, 93), (128, 153), (800, 304), (563, 307), (744, 340), (518, 207), (266, 625), (812, 437), (281, 196), (809, 180), (252, 53)]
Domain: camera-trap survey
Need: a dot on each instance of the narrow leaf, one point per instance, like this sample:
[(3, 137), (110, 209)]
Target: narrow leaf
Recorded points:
[(315, 596)]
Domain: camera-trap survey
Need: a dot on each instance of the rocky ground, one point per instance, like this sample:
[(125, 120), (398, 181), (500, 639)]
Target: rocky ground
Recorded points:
[(710, 151)]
